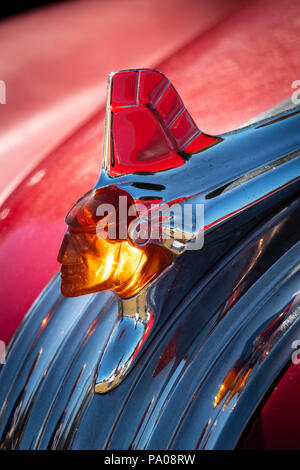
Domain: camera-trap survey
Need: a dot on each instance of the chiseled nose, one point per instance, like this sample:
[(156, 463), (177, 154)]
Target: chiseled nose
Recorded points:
[(68, 252)]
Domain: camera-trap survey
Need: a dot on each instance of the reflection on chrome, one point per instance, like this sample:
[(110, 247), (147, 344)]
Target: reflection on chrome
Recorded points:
[(255, 351), (134, 324)]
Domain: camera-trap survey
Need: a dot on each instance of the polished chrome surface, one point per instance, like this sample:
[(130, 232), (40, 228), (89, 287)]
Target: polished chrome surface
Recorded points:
[(272, 172), (251, 168), (106, 157), (199, 347), (243, 169), (133, 326), (220, 314)]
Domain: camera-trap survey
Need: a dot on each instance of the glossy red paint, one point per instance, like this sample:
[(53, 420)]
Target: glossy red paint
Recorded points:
[(32, 220), (277, 425), (55, 61), (229, 73), (151, 126), (240, 68)]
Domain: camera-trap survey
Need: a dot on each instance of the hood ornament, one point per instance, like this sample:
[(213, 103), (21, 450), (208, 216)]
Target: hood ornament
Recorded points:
[(110, 243), (126, 234)]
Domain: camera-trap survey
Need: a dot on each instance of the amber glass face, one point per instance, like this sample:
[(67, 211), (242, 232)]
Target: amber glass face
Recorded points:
[(94, 260)]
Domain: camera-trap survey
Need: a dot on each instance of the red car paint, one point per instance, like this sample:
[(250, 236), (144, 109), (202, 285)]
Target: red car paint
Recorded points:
[(52, 88), (277, 425), (55, 62)]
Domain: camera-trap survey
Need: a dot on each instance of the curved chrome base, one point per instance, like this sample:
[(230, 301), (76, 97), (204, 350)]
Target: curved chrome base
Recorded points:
[(130, 331)]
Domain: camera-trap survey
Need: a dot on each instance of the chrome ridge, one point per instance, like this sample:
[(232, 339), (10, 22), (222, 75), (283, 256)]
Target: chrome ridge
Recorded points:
[(134, 323)]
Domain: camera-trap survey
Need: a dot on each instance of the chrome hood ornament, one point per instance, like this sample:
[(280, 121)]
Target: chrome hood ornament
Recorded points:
[(127, 233), (148, 130), (199, 335)]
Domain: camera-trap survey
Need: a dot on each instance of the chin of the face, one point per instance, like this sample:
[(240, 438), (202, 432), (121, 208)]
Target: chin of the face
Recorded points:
[(68, 289)]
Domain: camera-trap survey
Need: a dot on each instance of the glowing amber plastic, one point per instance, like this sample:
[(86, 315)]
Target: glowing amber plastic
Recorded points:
[(92, 263)]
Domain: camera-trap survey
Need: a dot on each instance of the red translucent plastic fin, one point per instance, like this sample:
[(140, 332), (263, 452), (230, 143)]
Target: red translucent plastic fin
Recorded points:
[(124, 89), (150, 127), (151, 86), (184, 129), (200, 142), (170, 105)]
